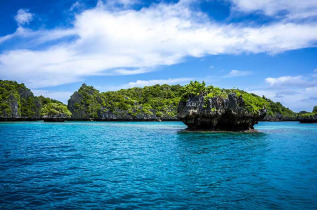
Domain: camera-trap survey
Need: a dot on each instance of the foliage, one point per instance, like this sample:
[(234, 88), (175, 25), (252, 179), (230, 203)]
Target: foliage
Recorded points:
[(162, 100), (159, 100), (308, 114), (18, 101), (53, 108), (252, 102), (277, 108), (90, 101), (193, 88)]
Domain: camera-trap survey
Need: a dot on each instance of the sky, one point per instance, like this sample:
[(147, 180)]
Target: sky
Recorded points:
[(267, 47)]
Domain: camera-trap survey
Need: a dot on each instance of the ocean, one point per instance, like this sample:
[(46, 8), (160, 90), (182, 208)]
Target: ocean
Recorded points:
[(145, 165)]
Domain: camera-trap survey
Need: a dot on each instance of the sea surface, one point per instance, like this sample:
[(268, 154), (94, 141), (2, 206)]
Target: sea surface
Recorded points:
[(145, 165)]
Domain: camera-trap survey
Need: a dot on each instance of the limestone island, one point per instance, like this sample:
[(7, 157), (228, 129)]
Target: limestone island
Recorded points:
[(213, 109), (308, 117)]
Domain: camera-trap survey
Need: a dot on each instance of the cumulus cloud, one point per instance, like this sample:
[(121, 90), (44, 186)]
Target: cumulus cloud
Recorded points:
[(23, 17), (62, 96), (296, 92), (294, 9), (237, 73), (121, 42), (290, 82)]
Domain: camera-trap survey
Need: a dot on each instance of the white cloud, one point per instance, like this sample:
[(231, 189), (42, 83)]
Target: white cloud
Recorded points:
[(23, 17), (296, 92), (62, 96), (294, 9), (290, 82), (295, 99), (122, 42), (236, 73)]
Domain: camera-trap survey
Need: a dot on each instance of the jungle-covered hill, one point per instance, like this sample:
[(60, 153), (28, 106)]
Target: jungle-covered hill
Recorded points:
[(157, 102), (18, 102)]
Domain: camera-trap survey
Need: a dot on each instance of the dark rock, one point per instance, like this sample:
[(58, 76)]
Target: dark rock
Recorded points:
[(217, 113), (308, 118), (279, 117), (13, 103)]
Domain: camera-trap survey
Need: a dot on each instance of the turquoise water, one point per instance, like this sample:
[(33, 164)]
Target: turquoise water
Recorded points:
[(155, 164)]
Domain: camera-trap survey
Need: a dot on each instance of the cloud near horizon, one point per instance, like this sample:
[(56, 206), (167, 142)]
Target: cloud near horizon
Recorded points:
[(104, 41), (295, 92)]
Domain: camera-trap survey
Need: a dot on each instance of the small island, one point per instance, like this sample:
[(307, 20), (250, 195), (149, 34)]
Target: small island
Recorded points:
[(308, 117), (214, 109)]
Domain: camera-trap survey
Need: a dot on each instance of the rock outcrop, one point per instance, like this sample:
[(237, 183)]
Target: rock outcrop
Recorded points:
[(308, 118), (218, 114), (89, 104), (279, 117), (17, 103)]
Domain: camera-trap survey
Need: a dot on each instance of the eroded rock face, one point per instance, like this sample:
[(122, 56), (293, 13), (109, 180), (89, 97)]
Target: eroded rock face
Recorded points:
[(308, 119), (88, 104), (279, 117), (218, 114)]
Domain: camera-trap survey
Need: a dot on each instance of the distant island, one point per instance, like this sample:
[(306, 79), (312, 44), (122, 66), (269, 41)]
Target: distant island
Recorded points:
[(150, 103), (308, 117)]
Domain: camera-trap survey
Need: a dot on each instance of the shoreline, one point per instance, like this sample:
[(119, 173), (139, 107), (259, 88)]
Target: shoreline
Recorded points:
[(113, 120), (220, 131), (83, 120)]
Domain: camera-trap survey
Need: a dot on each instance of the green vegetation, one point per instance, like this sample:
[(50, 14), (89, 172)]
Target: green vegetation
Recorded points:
[(158, 100), (162, 100), (18, 101), (51, 108), (309, 114), (277, 108), (89, 102), (252, 102)]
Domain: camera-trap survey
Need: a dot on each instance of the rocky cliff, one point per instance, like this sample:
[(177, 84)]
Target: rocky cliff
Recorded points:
[(218, 113), (18, 103), (308, 117), (279, 117), (155, 103)]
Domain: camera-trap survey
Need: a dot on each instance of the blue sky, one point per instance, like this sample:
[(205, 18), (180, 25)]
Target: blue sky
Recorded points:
[(267, 47)]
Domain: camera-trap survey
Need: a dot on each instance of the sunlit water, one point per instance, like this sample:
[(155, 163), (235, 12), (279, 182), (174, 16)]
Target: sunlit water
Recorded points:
[(156, 164)]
